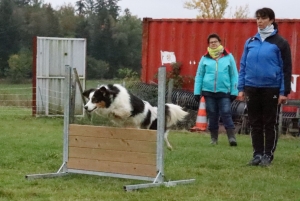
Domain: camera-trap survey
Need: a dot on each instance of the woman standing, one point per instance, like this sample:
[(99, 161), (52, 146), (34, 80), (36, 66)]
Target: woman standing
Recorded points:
[(265, 82), (216, 80)]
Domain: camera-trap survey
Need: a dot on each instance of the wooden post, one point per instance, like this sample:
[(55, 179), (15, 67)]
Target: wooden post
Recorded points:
[(81, 91), (170, 89), (34, 55), (72, 102)]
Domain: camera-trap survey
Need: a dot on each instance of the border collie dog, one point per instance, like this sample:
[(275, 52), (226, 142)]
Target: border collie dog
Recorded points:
[(117, 102)]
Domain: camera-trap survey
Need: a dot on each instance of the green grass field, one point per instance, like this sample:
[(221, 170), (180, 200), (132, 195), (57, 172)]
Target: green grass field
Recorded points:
[(34, 145)]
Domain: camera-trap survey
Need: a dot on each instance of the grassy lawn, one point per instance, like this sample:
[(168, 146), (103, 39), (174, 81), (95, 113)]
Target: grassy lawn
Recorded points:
[(34, 145), (15, 94)]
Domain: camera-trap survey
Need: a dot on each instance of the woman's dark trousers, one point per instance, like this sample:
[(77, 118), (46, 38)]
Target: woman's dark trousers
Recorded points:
[(263, 113)]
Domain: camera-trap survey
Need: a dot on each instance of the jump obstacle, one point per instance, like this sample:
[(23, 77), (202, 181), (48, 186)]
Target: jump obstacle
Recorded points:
[(115, 152)]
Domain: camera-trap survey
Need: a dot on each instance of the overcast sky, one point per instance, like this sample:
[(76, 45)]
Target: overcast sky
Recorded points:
[(174, 8)]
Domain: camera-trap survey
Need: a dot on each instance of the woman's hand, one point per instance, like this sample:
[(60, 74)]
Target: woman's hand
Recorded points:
[(197, 98), (282, 100)]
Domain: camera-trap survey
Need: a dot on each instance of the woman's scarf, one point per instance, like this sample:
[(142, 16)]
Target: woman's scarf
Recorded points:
[(266, 32), (215, 53)]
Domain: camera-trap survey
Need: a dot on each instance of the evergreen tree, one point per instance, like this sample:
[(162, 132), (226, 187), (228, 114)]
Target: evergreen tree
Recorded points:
[(102, 46), (22, 3), (9, 34), (128, 39), (81, 7)]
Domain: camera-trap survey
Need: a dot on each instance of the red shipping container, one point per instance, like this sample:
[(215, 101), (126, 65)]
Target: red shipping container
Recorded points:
[(185, 40)]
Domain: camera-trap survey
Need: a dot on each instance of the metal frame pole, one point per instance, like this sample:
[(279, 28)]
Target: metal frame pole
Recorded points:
[(62, 171), (159, 180), (67, 97), (161, 123)]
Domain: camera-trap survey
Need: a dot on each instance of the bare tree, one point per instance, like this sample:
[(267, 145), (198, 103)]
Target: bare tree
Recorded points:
[(214, 9), (241, 12)]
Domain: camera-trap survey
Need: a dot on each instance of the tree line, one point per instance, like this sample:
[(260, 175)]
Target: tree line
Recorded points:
[(114, 37)]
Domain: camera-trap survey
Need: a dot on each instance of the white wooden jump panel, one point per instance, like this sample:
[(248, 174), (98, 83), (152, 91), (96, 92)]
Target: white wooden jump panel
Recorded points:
[(112, 150)]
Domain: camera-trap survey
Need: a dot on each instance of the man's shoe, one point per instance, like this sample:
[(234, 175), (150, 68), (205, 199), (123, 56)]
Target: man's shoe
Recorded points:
[(256, 160), (265, 161)]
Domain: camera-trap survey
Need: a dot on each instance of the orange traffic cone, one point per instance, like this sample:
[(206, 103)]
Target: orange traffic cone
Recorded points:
[(201, 121)]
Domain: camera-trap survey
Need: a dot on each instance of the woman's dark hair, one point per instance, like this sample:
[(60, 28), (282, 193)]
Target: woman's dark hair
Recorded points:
[(267, 12), (213, 35)]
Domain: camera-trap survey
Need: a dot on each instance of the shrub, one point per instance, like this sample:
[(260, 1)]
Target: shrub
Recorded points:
[(96, 69), (126, 73), (20, 66), (178, 79)]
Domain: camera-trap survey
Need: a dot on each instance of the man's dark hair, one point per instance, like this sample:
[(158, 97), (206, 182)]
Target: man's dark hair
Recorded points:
[(213, 35)]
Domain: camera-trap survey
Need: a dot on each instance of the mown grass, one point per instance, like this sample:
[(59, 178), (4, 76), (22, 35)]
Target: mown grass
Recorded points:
[(15, 95), (31, 145)]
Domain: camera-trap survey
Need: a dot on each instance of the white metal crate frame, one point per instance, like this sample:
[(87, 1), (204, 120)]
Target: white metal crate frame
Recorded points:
[(50, 56)]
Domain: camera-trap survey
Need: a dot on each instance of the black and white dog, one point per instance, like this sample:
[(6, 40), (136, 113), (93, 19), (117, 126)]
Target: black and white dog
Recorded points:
[(117, 102)]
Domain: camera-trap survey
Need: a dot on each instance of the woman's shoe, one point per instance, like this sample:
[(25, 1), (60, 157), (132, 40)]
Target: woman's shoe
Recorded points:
[(255, 160), (231, 137)]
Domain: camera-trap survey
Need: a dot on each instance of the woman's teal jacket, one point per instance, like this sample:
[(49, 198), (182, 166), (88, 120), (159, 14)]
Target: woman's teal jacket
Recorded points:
[(217, 75)]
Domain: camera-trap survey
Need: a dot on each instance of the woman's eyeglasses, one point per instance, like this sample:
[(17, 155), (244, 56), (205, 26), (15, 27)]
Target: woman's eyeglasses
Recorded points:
[(212, 42)]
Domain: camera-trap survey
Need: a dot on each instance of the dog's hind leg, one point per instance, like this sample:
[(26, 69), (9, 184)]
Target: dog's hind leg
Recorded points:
[(167, 141)]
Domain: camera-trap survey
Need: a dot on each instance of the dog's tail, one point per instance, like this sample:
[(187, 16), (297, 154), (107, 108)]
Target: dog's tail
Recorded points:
[(174, 114)]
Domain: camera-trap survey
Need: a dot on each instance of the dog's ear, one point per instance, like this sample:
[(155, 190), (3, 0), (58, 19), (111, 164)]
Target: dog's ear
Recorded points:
[(87, 92), (112, 89), (107, 90), (103, 89)]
